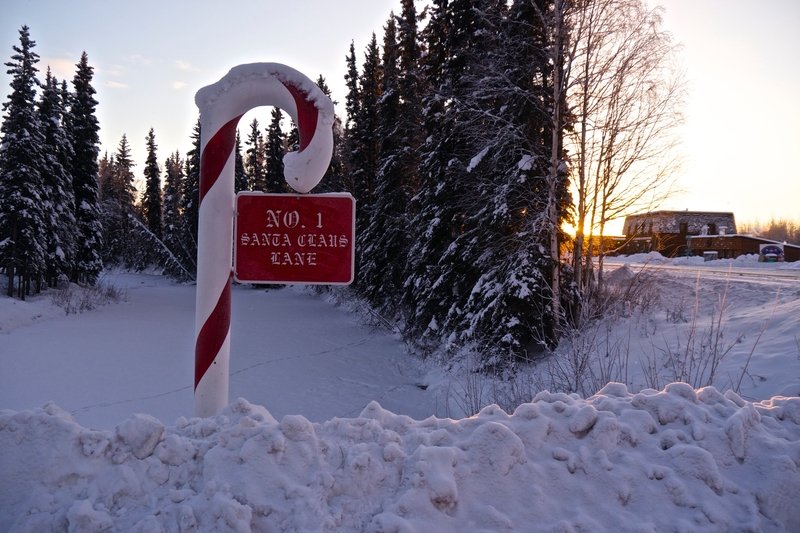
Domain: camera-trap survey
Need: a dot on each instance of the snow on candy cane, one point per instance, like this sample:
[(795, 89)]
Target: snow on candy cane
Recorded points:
[(221, 106)]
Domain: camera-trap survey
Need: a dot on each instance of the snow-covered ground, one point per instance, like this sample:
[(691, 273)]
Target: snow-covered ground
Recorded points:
[(337, 434), (291, 351), (749, 312)]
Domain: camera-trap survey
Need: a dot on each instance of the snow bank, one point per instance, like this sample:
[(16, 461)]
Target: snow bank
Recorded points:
[(675, 460), (16, 314), (746, 260)]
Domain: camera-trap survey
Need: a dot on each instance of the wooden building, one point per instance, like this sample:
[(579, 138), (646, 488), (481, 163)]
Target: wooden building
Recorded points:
[(668, 232), (732, 246), (611, 244)]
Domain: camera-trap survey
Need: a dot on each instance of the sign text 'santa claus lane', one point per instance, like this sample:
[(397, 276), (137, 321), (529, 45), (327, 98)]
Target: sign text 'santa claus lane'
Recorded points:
[(291, 238)]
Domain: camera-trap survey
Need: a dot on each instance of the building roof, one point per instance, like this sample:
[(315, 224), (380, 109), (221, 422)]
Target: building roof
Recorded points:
[(670, 222), (760, 240)]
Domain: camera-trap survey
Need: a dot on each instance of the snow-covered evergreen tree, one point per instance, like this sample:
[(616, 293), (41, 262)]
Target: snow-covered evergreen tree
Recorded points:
[(151, 199), (57, 180), (365, 131), (162, 244), (105, 169), (118, 195), (510, 305), (254, 158), (176, 232), (398, 175), (352, 110), (23, 244), (119, 187), (335, 178), (274, 149), (190, 190), (440, 261), (292, 138), (82, 126), (173, 176), (239, 174), (352, 102), (382, 244), (479, 265)]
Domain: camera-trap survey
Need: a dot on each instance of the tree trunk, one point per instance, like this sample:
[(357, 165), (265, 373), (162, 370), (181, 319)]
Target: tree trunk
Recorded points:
[(10, 288), (552, 199)]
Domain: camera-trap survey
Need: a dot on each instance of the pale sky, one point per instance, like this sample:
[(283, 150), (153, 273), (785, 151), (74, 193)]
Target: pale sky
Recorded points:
[(742, 138), (151, 56)]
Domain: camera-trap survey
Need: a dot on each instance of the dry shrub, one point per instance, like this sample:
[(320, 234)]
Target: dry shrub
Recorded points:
[(79, 298)]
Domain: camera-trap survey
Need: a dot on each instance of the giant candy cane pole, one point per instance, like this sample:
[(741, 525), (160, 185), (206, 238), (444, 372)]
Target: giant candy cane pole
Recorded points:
[(221, 106)]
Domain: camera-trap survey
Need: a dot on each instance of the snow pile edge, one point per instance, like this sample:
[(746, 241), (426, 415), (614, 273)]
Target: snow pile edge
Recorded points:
[(676, 459)]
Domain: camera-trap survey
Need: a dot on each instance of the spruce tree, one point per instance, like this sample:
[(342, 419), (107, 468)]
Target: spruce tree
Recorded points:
[(119, 187), (173, 175), (334, 179), (411, 83), (352, 103), (105, 170), (176, 232), (381, 246), (400, 139), (254, 158), (435, 282), (118, 195), (23, 246), (59, 198), (456, 187), (82, 126), (364, 134), (352, 110), (151, 200), (273, 154), (337, 178), (190, 191), (293, 139), (479, 265), (509, 308), (165, 250), (239, 174)]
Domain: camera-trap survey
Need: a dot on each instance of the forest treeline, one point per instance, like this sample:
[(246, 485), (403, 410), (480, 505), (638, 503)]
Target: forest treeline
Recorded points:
[(775, 229), (473, 131)]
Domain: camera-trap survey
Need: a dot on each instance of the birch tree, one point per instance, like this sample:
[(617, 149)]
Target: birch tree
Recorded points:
[(626, 91)]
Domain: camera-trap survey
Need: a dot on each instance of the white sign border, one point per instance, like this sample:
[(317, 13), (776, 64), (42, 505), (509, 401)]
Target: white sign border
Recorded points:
[(296, 195)]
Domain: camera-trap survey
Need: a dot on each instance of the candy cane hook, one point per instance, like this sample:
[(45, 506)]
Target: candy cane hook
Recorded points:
[(221, 106)]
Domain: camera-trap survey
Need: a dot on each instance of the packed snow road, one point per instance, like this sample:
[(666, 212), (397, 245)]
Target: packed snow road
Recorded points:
[(291, 351), (790, 271)]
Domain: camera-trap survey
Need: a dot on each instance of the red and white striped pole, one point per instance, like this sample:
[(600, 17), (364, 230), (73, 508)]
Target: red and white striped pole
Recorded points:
[(221, 106)]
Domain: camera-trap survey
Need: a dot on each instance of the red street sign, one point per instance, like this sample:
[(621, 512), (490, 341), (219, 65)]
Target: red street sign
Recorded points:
[(293, 238)]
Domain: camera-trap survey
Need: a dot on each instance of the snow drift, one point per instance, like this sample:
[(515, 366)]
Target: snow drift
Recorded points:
[(674, 460)]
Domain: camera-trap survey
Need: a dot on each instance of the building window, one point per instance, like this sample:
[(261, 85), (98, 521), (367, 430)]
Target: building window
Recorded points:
[(684, 228), (712, 229)]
